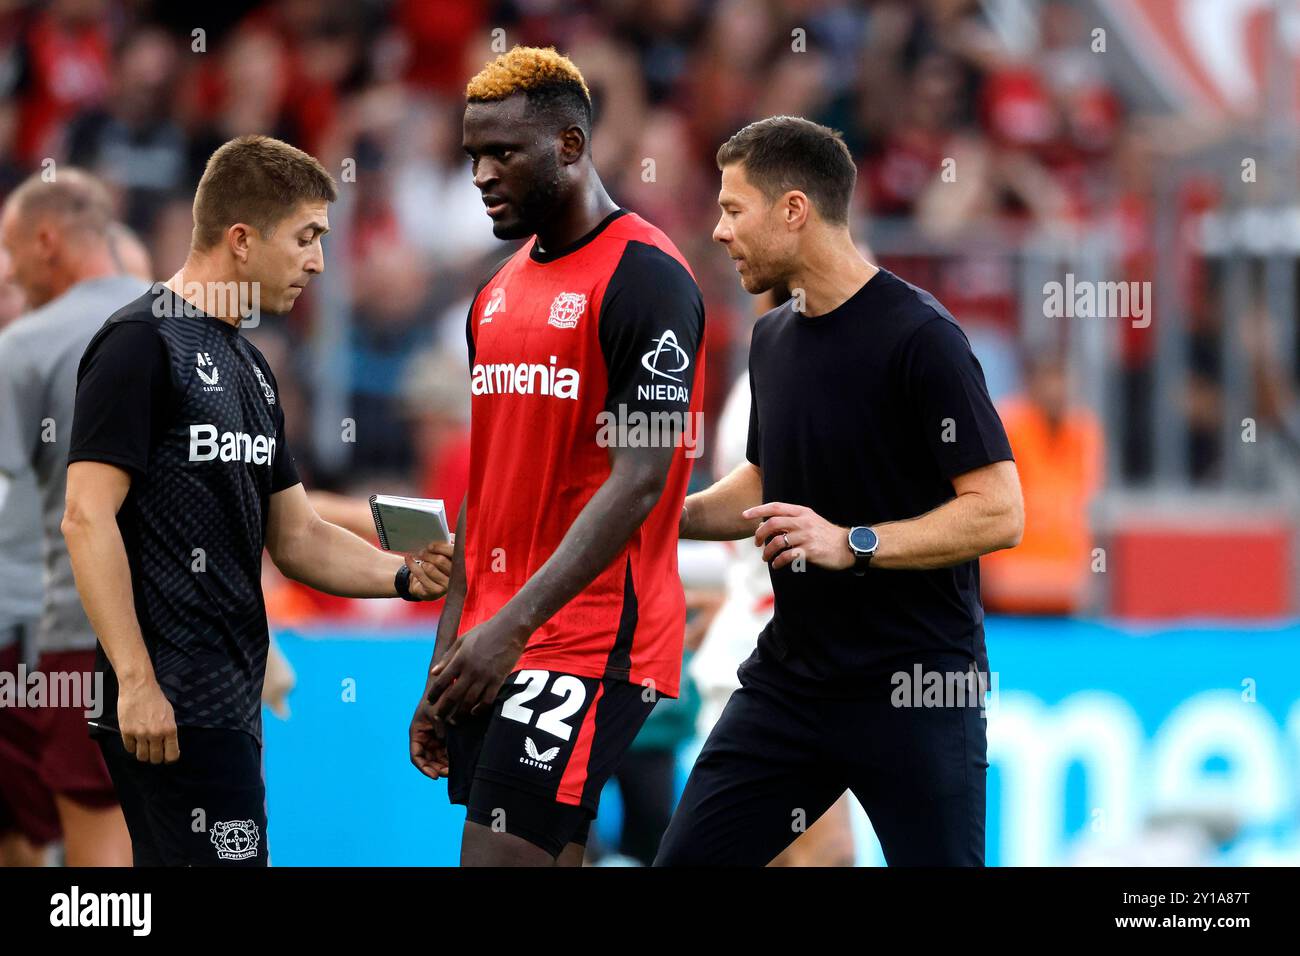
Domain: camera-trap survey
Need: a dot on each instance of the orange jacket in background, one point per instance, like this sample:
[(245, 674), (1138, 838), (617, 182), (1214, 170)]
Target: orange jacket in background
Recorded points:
[(1060, 471)]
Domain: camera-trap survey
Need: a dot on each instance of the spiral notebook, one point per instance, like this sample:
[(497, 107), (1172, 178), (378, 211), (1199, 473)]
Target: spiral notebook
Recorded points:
[(407, 525)]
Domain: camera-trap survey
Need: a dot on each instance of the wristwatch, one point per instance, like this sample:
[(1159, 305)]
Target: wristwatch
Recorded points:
[(402, 582), (863, 543)]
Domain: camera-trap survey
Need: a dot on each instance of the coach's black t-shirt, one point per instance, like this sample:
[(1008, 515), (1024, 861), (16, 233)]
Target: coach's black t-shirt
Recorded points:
[(184, 403), (865, 414)]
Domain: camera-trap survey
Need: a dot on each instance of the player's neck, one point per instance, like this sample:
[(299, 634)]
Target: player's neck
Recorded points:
[(205, 285), (587, 209), (832, 270)]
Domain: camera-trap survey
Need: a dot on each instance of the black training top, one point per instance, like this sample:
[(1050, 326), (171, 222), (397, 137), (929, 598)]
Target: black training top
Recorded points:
[(190, 409), (865, 414)]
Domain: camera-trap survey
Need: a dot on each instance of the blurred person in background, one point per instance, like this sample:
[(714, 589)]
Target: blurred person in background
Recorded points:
[(132, 140), (394, 299), (128, 252), (241, 90), (1276, 401), (1060, 455), (64, 65), (428, 172), (13, 302), (435, 400), (647, 778), (62, 240), (29, 821)]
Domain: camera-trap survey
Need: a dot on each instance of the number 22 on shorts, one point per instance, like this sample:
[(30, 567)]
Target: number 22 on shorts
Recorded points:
[(553, 721)]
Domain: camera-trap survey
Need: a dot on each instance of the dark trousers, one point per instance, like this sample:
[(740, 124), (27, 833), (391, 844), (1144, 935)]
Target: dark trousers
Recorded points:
[(647, 784), (777, 760)]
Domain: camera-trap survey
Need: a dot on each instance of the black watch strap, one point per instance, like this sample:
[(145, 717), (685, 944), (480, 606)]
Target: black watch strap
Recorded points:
[(402, 582)]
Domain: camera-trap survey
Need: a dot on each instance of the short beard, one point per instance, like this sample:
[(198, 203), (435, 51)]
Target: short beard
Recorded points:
[(778, 285)]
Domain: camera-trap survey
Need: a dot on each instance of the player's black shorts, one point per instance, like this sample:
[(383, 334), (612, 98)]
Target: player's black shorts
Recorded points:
[(535, 765), (778, 758), (206, 809)]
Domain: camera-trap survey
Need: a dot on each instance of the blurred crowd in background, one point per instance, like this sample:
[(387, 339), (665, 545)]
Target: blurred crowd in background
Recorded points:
[(1036, 140), (1001, 145)]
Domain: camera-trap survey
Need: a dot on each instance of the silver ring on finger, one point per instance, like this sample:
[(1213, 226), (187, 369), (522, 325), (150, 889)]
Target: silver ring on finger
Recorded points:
[(786, 538)]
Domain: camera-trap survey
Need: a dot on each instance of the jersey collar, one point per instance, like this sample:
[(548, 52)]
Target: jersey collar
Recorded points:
[(538, 256)]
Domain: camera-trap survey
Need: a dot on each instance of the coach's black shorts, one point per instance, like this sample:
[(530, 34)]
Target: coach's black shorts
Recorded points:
[(206, 809), (535, 765), (777, 759)]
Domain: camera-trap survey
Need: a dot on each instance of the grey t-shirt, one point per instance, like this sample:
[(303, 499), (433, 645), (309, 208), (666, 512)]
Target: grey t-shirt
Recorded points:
[(20, 552), (39, 354)]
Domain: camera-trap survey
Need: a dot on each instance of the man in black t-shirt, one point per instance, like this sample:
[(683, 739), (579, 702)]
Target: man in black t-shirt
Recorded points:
[(179, 473), (878, 472)]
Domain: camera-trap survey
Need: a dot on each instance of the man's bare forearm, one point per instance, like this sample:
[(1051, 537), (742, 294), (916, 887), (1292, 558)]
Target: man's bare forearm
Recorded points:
[(103, 576), (714, 514), (346, 512), (957, 531), (336, 561)]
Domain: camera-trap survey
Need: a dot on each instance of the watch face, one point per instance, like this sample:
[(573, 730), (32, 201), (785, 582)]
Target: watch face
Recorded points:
[(862, 540)]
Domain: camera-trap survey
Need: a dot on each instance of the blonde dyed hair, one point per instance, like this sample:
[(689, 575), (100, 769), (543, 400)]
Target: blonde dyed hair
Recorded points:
[(525, 69)]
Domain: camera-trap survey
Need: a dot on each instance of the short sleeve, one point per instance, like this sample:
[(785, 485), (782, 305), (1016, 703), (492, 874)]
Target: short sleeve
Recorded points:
[(950, 400), (754, 444), (20, 400), (284, 470), (123, 392), (651, 332)]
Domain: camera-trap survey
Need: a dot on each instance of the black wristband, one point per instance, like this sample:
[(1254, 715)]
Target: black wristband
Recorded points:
[(402, 582)]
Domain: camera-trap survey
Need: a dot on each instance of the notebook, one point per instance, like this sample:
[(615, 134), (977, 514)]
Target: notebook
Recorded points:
[(406, 525)]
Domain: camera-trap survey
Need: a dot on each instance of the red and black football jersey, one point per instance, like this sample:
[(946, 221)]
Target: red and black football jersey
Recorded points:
[(569, 349)]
